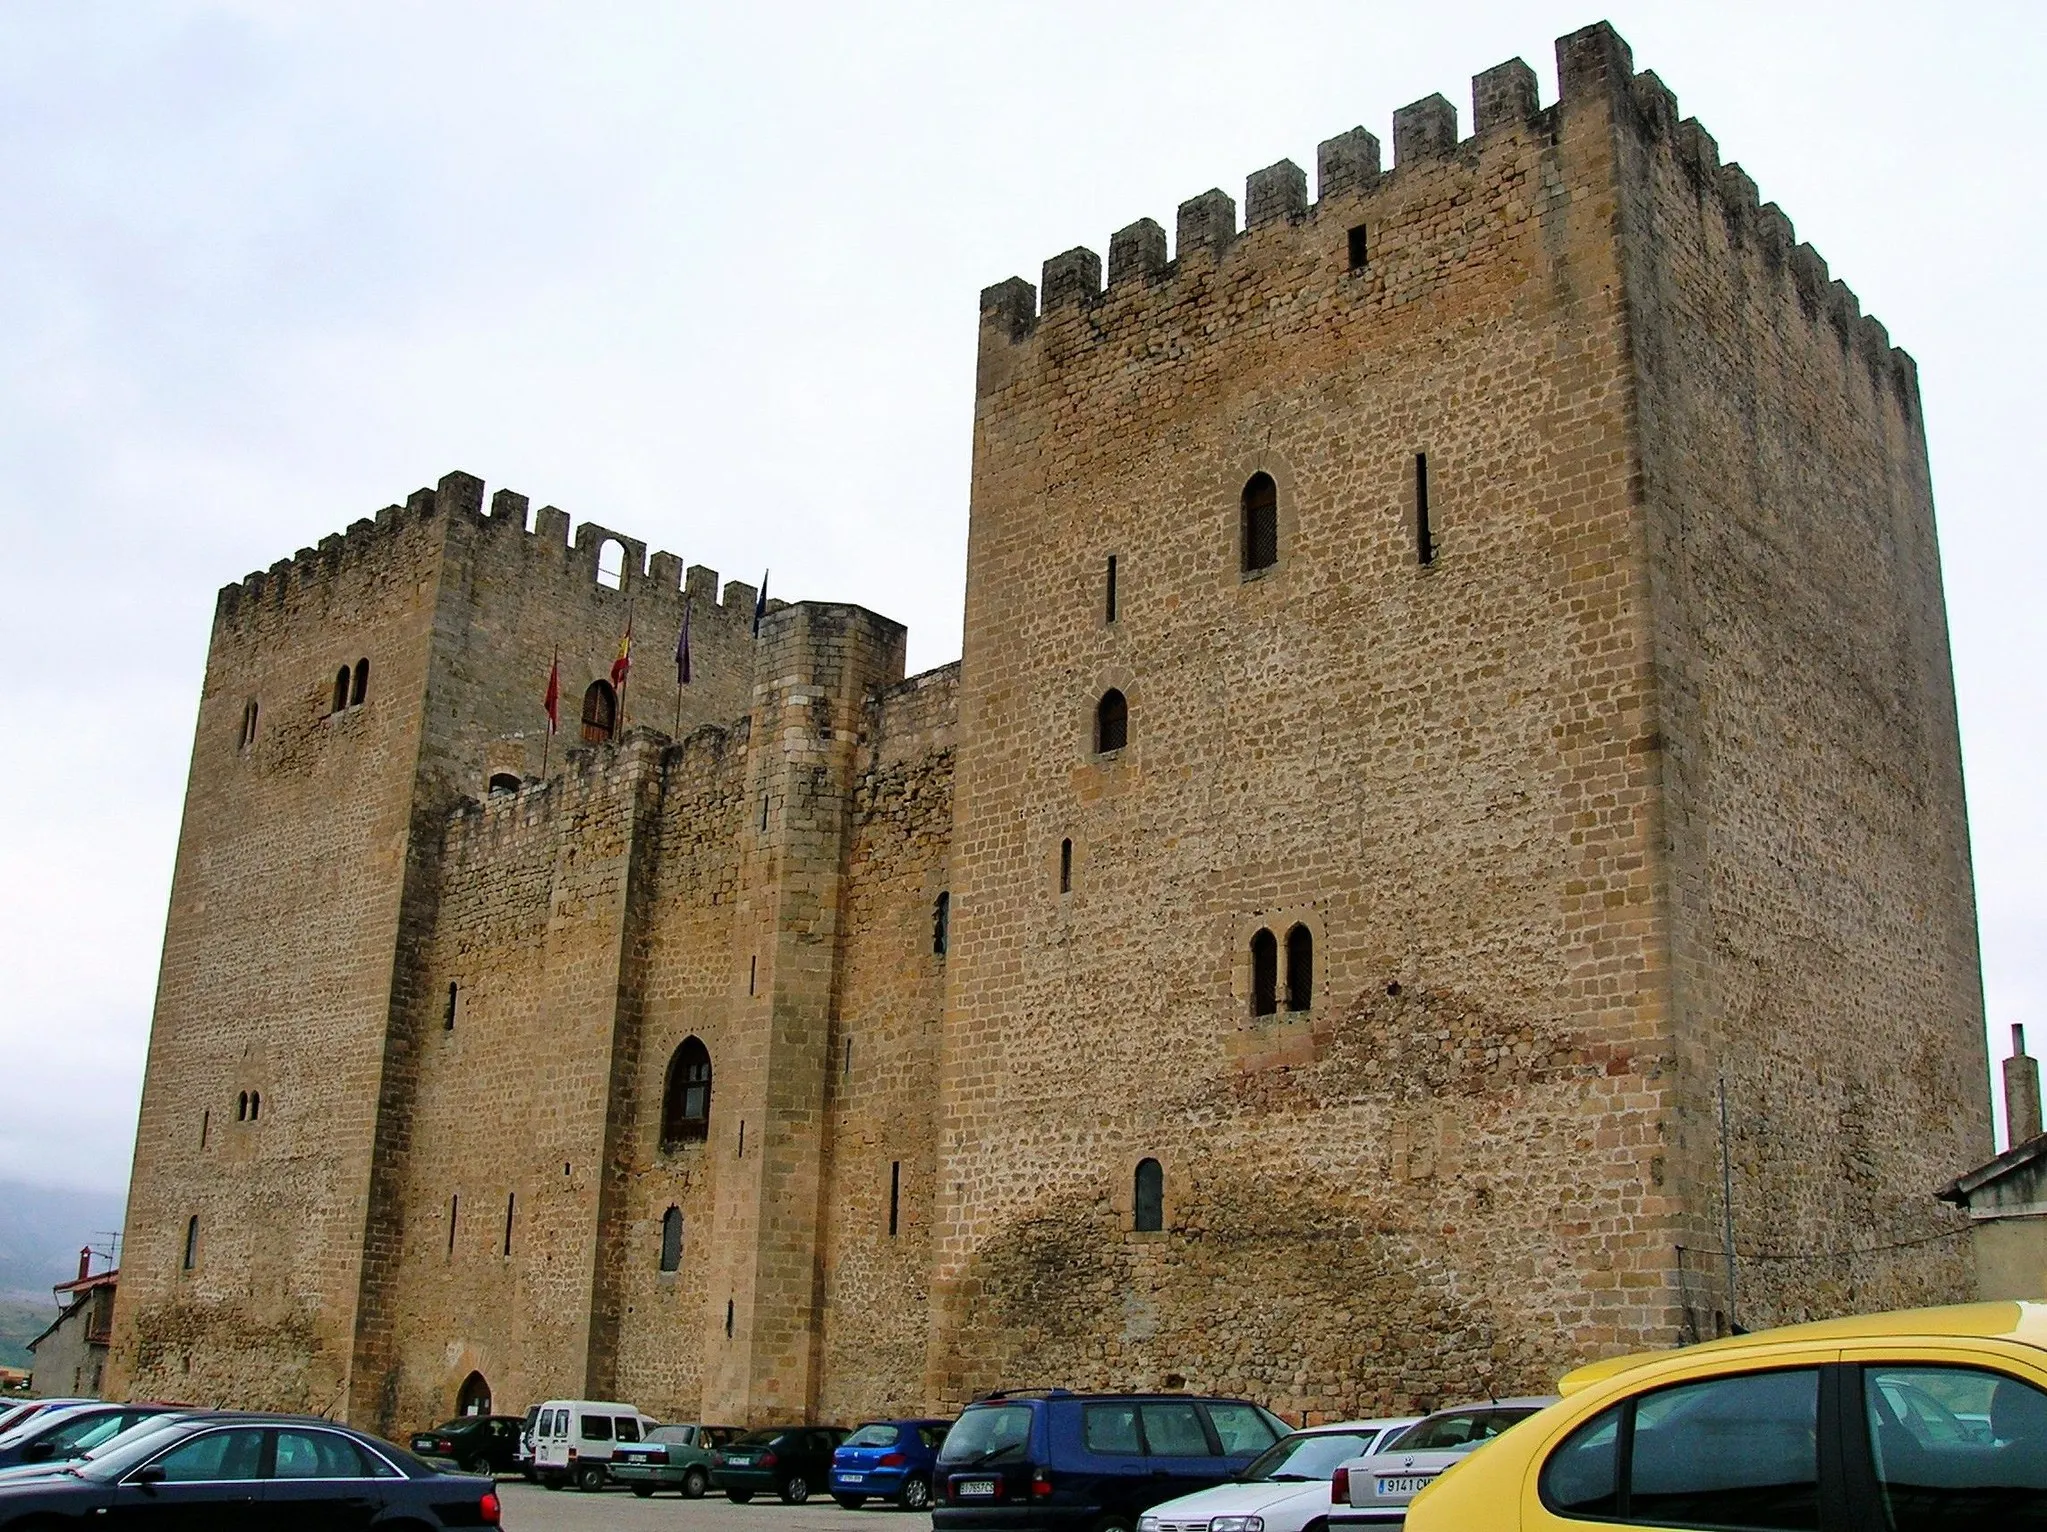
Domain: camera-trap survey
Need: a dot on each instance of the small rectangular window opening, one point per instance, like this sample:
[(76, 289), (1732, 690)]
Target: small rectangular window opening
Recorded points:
[(205, 1122), (753, 970), (742, 1138), (728, 1319), (1066, 867), (511, 1202), (448, 1024), (454, 1210), (764, 813), (849, 1058), (895, 1195), (1357, 248), (1112, 588), (1424, 537)]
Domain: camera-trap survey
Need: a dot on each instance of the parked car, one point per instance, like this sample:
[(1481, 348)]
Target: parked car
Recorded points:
[(1285, 1490), (522, 1459), (790, 1461), (574, 1439), (69, 1432), (671, 1457), (888, 1460), (1729, 1433), (1054, 1459), (171, 1416), (247, 1472), (473, 1443), (1374, 1491), (17, 1414)]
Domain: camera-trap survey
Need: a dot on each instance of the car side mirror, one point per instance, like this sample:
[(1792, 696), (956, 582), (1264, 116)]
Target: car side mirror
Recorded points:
[(35, 1452), (148, 1476)]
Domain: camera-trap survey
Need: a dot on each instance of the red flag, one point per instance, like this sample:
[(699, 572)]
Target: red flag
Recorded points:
[(553, 701), (624, 662)]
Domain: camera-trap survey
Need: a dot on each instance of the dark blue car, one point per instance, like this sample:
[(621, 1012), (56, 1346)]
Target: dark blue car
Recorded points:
[(1052, 1460), (888, 1460)]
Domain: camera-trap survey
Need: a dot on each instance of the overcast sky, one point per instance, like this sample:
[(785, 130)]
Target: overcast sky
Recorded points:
[(707, 274)]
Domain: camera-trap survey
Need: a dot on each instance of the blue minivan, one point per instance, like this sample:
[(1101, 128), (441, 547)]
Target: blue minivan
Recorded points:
[(888, 1460), (1096, 1462)]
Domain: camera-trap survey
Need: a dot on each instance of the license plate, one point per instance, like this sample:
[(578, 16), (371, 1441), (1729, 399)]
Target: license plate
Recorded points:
[(1408, 1486), (981, 1487), (852, 1478), (739, 1462)]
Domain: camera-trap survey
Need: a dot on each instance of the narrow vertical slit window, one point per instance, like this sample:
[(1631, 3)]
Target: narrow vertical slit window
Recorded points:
[(895, 1196), (764, 813), (941, 924), (671, 1239), (191, 1242), (511, 1203), (1066, 866), (849, 1058), (1148, 1202), (1260, 523), (454, 1212), (728, 1319), (1357, 248), (753, 971), (205, 1123), (448, 1021), (742, 1138), (1110, 603), (1424, 534), (1264, 973)]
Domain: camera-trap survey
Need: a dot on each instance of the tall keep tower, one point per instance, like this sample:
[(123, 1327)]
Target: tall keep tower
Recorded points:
[(1452, 672), (353, 696)]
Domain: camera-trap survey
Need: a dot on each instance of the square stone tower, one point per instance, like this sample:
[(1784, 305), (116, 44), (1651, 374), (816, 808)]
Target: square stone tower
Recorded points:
[(1452, 673)]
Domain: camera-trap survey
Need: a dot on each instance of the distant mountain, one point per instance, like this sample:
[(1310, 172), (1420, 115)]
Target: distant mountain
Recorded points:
[(21, 1322), (41, 1229)]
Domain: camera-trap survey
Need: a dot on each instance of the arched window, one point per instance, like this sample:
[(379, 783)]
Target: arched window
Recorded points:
[(611, 563), (1300, 969), (941, 924), (1261, 523), (600, 713), (1112, 722), (474, 1396), (362, 683), (248, 737), (255, 1105), (192, 1242), (1264, 973), (242, 1107), (503, 782), (671, 1240), (341, 689), (1148, 1206), (686, 1103)]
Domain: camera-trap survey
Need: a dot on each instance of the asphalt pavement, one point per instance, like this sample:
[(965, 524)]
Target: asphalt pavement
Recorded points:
[(529, 1508)]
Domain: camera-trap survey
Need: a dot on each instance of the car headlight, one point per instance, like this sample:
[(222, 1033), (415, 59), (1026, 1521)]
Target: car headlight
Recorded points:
[(1237, 1524), (1147, 1524)]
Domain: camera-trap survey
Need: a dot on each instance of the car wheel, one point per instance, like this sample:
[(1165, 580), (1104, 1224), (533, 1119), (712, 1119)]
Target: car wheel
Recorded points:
[(739, 1496), (472, 1465), (850, 1502), (795, 1489), (916, 1495), (694, 1483), (590, 1477)]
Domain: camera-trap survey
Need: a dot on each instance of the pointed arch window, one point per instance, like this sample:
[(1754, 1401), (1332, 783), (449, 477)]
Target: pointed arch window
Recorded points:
[(248, 737), (686, 1102), (1300, 969), (1112, 722), (1264, 973), (671, 1239), (1148, 1203), (1260, 523), (361, 689), (341, 683), (600, 713)]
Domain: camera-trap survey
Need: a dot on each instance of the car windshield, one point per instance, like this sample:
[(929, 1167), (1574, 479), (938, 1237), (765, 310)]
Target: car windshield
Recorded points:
[(988, 1434), (1457, 1430), (679, 1434), (149, 1425), (1307, 1455), (876, 1435)]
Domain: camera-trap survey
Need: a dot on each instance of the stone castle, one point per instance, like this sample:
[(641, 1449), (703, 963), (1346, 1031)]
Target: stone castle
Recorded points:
[(1455, 677)]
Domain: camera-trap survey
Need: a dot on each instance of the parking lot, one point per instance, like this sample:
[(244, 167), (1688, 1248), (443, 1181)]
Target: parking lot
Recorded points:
[(529, 1508)]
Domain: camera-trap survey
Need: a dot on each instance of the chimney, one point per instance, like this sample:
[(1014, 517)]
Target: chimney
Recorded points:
[(85, 1253), (2021, 1092)]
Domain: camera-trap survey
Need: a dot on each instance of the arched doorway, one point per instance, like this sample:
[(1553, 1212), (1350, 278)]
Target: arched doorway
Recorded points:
[(474, 1398)]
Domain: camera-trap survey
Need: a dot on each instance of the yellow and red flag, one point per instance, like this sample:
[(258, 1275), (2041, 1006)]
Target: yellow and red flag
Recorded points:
[(624, 662)]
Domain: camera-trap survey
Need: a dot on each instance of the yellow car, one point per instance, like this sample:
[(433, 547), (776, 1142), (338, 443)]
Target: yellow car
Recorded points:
[(1930, 1420)]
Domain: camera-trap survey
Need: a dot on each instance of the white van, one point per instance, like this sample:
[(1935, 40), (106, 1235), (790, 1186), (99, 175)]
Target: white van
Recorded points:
[(573, 1439)]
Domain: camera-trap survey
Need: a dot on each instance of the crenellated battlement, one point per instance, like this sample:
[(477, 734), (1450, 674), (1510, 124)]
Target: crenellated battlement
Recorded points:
[(456, 506), (1283, 230)]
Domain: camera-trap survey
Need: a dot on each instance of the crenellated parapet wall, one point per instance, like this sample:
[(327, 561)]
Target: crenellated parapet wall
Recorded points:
[(1282, 229)]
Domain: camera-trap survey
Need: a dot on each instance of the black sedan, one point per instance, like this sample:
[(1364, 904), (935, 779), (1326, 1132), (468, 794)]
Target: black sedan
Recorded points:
[(56, 1436), (790, 1461), (242, 1473), (474, 1443)]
